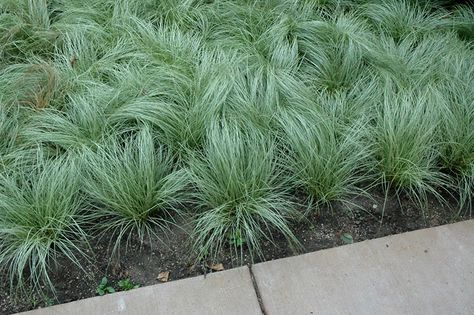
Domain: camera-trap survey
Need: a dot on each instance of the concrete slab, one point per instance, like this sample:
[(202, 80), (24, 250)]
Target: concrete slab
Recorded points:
[(423, 272), (229, 292)]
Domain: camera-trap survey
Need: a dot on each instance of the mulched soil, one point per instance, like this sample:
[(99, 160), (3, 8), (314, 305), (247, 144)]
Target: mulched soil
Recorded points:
[(142, 263)]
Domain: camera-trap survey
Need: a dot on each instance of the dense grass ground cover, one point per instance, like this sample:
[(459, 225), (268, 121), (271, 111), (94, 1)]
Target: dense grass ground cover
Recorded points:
[(117, 117)]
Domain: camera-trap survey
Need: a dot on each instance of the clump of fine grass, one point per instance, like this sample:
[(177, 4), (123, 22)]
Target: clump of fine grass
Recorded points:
[(405, 145), (26, 30), (82, 126), (181, 103), (82, 122), (463, 22), (334, 48), (457, 125), (328, 162), (40, 220), (402, 19), (133, 188), (240, 196), (34, 84)]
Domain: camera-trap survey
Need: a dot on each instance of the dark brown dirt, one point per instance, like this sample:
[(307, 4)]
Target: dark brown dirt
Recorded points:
[(142, 263)]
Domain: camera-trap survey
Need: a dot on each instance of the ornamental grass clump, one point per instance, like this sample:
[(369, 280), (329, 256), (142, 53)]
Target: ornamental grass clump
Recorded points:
[(457, 132), (240, 195), (41, 219), (405, 145), (133, 188), (327, 165)]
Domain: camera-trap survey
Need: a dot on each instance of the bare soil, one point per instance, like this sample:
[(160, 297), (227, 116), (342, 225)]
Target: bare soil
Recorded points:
[(142, 263)]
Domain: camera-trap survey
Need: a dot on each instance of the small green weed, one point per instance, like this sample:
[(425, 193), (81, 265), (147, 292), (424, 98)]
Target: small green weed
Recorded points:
[(235, 239), (104, 287), (127, 284)]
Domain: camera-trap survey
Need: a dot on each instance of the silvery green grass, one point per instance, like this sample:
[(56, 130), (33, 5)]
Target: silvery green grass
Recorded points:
[(119, 118)]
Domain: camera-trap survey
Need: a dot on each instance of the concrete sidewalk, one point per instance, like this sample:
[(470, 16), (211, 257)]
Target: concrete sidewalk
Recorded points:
[(428, 271), (229, 292)]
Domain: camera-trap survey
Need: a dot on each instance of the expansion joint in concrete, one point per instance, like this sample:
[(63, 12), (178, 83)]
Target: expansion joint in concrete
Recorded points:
[(257, 291)]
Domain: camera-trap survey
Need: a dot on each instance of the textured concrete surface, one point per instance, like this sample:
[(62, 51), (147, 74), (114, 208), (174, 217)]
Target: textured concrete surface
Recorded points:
[(229, 292), (423, 272)]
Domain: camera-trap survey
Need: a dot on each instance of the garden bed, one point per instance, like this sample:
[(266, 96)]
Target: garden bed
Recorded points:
[(142, 264), (222, 132)]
